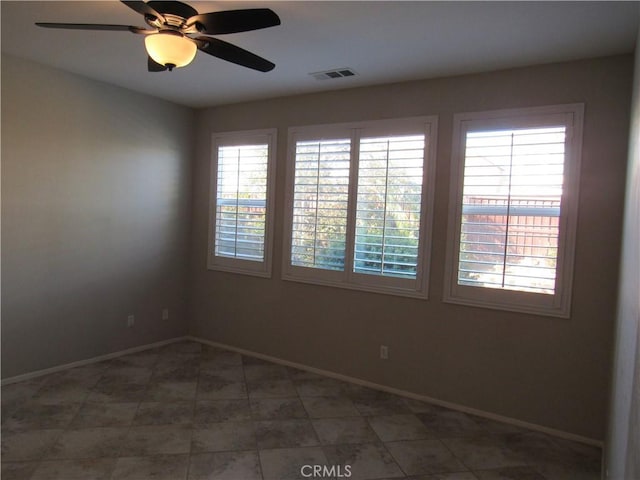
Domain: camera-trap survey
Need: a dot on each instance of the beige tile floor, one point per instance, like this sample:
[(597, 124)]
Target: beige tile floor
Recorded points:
[(188, 411)]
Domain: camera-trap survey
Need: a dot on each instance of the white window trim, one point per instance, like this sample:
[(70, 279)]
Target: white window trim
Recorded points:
[(237, 265), (559, 304), (348, 279)]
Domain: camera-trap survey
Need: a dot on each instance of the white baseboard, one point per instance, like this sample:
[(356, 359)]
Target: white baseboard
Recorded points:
[(88, 361), (403, 393)]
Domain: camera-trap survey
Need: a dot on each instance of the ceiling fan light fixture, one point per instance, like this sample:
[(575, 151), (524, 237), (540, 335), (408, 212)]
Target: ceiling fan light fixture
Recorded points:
[(170, 49), (170, 42)]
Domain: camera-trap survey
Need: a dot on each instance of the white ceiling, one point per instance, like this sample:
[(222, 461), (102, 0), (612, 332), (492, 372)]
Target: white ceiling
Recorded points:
[(383, 41)]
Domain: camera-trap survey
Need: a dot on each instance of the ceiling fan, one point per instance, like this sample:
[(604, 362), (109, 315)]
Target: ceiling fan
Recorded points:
[(177, 32)]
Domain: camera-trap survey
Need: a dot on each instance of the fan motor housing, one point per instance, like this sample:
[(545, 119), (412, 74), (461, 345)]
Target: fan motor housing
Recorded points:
[(177, 9)]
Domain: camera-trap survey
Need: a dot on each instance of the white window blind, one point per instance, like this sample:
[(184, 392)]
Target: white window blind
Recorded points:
[(511, 202), (241, 199), (320, 199), (390, 174), (359, 212), (515, 177)]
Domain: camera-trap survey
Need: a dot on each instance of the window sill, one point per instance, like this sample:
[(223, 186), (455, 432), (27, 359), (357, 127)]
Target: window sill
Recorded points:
[(396, 291), (543, 311), (239, 270)]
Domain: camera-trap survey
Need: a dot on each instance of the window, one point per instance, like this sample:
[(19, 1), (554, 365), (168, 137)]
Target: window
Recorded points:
[(512, 226), (389, 202), (360, 205), (320, 197), (240, 206)]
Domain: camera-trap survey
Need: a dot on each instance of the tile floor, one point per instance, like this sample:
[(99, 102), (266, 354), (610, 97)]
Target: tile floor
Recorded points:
[(188, 411)]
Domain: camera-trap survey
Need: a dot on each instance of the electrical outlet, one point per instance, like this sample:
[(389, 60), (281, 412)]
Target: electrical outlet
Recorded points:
[(384, 352), (165, 314), (131, 320)]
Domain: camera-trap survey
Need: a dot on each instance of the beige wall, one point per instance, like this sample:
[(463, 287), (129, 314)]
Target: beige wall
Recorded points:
[(549, 371), (95, 217), (96, 186), (623, 448)]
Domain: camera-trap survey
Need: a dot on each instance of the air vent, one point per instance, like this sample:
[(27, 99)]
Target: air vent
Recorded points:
[(336, 73)]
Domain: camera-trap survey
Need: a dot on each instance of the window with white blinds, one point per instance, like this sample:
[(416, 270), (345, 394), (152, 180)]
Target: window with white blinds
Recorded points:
[(359, 208), (511, 200), (515, 219), (241, 201), (240, 230), (390, 173), (320, 199)]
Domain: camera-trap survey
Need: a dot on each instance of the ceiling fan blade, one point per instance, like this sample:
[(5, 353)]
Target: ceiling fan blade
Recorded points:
[(143, 9), (233, 21), (233, 54), (154, 66), (94, 26)]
